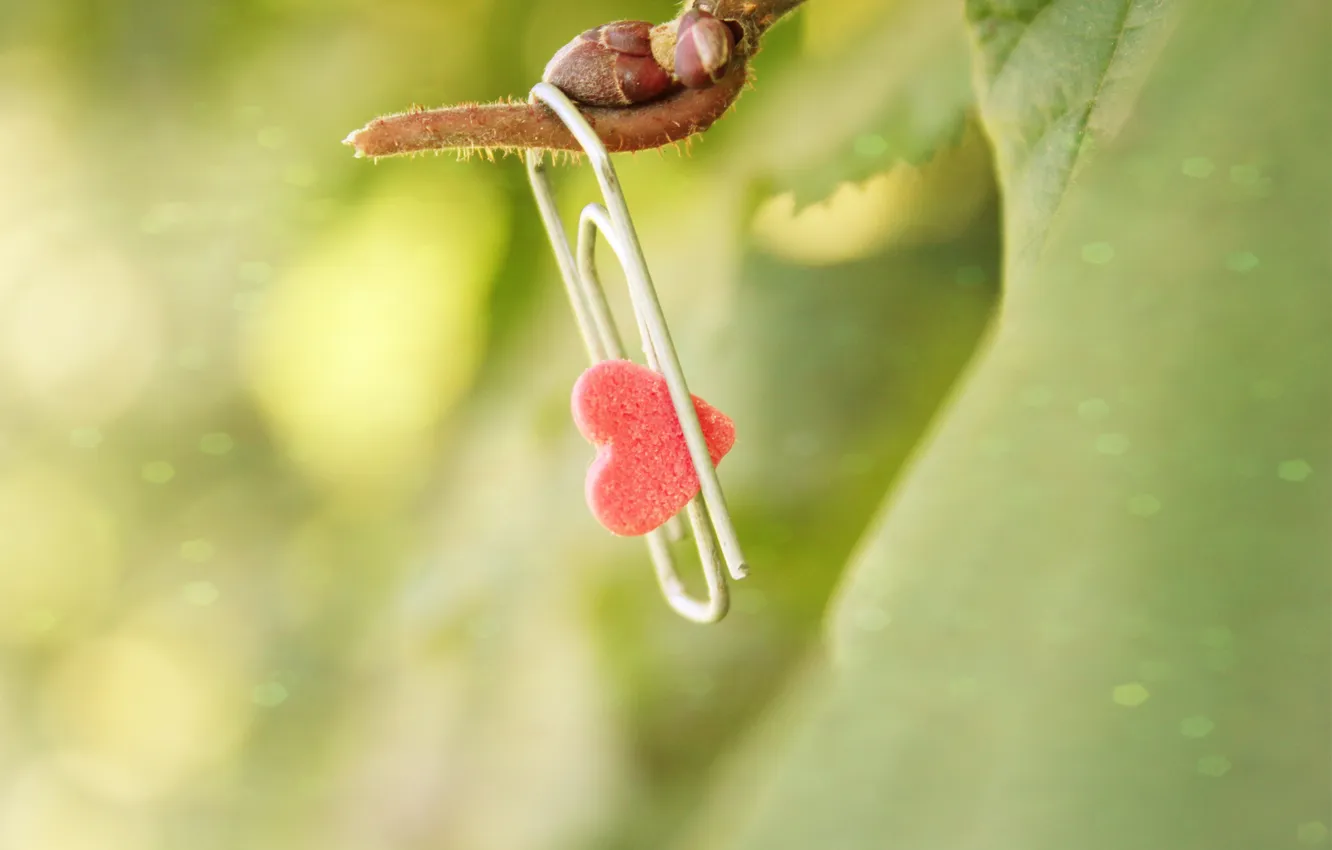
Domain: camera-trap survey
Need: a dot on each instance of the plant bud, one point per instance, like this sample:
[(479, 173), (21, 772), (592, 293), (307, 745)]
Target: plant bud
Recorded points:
[(610, 65), (704, 46)]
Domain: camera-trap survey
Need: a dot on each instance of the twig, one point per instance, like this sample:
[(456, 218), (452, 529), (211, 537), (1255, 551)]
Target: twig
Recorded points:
[(653, 123), (513, 126), (761, 13)]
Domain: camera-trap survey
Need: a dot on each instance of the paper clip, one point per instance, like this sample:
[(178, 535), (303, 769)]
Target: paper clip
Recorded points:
[(710, 520)]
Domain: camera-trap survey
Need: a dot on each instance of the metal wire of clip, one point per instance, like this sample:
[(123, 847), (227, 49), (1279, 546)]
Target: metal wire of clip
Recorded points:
[(708, 516)]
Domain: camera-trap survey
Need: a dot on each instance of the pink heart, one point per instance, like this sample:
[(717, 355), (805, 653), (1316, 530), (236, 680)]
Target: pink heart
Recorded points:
[(642, 475)]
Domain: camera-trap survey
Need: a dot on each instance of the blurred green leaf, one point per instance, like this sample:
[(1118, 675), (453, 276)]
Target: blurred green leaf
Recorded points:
[(1095, 612), (1056, 77), (898, 93)]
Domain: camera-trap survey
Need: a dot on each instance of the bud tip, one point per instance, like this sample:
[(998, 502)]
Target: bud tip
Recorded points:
[(350, 141)]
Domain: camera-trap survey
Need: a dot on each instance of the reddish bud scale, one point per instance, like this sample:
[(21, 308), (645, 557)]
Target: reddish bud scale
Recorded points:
[(610, 65), (704, 48), (630, 37), (514, 126)]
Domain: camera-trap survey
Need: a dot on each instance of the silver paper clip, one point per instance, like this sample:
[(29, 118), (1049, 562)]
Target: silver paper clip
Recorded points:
[(708, 516)]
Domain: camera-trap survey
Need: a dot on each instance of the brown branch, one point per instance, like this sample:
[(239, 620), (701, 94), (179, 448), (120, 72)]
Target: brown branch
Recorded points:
[(635, 126), (515, 126), (759, 15)]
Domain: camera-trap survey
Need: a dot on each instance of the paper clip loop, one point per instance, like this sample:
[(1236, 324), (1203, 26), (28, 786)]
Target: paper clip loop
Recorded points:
[(708, 516)]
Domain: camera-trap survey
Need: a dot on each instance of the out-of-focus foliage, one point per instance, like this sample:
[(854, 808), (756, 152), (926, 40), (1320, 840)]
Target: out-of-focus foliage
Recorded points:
[(1096, 611), (293, 551), (858, 112)]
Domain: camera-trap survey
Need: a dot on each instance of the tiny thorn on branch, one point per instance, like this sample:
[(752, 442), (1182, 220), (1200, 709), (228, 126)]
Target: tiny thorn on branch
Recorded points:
[(517, 126)]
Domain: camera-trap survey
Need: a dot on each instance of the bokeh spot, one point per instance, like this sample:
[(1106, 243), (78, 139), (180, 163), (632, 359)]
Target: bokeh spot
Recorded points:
[(1198, 166), (1198, 726), (1097, 253), (1131, 695), (217, 443), (1294, 471), (1215, 766), (1112, 444), (269, 694), (157, 472), (1311, 833), (1144, 505), (1093, 409), (200, 593), (1242, 261)]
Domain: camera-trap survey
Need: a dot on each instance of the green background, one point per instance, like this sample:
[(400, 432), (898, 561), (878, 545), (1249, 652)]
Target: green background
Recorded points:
[(293, 548)]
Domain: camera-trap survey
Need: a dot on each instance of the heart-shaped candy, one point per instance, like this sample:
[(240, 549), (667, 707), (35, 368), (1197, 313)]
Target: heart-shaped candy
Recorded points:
[(642, 475)]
